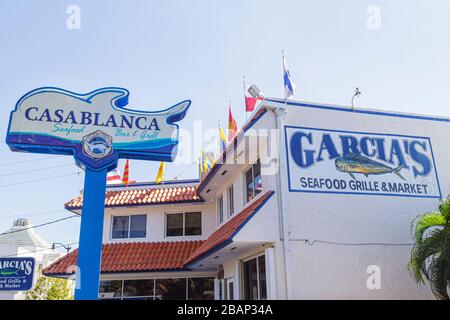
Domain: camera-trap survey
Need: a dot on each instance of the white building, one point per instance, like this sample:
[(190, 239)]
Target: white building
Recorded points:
[(22, 241), (320, 211)]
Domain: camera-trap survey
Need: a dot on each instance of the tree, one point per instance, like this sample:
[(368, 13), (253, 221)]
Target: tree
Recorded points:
[(430, 256), (47, 288)]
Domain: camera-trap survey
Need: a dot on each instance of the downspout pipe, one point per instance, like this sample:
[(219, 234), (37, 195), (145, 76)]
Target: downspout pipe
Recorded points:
[(280, 113)]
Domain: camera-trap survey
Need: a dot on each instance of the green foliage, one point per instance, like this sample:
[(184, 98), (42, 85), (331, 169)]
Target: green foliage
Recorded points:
[(430, 257), (47, 288)]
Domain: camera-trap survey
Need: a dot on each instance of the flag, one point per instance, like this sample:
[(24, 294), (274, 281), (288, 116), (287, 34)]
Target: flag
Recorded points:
[(125, 179), (200, 167), (289, 86), (232, 126), (160, 175), (206, 163), (252, 96), (223, 140), (113, 177)]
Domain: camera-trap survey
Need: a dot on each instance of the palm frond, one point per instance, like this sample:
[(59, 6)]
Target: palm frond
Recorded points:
[(438, 271), (426, 221), (423, 250)]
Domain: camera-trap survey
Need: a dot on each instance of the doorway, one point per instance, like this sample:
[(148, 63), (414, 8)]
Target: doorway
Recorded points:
[(254, 280)]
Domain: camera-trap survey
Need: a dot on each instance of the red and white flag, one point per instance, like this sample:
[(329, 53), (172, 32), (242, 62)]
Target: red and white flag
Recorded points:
[(113, 177), (252, 97)]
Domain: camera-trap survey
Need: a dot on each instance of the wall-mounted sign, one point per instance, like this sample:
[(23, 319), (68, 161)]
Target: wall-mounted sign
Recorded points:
[(345, 162), (16, 274), (95, 127)]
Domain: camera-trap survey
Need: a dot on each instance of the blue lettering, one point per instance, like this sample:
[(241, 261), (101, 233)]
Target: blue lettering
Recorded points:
[(421, 158), (27, 113), (297, 150), (349, 145), (328, 145)]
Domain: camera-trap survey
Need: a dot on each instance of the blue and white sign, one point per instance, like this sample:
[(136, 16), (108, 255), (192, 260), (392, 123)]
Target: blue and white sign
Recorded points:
[(95, 127), (16, 274), (346, 162), (97, 130)]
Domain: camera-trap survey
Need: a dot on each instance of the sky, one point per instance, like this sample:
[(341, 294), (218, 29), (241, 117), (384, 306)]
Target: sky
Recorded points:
[(163, 52)]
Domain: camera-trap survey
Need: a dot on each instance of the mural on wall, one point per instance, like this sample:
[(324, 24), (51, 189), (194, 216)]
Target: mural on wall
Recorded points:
[(333, 161)]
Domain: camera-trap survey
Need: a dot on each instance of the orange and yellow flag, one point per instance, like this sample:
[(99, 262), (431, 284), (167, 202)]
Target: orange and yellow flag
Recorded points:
[(125, 179), (160, 175), (232, 126)]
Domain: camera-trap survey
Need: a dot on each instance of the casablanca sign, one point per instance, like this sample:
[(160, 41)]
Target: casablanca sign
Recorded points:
[(98, 130), (95, 127)]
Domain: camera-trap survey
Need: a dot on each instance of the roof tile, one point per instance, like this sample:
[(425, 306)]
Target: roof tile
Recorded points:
[(132, 257), (127, 197)]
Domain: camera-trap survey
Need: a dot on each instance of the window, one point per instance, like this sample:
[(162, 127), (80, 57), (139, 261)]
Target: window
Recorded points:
[(220, 210), (161, 289), (138, 288), (230, 194), (183, 224), (110, 289), (171, 289), (230, 290), (133, 226), (201, 289), (192, 224), (253, 181), (255, 279)]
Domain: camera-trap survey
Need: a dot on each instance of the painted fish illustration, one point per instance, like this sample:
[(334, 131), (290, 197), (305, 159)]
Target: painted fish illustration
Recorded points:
[(99, 146), (353, 163), (8, 272)]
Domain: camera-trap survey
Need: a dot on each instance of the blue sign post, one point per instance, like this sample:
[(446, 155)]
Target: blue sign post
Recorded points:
[(97, 130)]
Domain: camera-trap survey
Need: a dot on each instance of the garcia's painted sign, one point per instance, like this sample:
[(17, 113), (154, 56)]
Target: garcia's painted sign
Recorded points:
[(333, 161), (95, 127), (16, 274)]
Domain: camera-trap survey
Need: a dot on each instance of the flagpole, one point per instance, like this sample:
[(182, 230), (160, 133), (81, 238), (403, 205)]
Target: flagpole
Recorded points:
[(284, 71), (245, 101)]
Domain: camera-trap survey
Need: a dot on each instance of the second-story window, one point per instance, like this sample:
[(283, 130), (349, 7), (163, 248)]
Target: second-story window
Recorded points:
[(220, 209), (253, 183), (132, 226), (183, 224), (230, 195)]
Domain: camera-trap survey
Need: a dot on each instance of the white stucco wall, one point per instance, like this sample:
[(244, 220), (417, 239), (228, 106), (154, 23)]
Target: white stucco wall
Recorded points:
[(327, 271)]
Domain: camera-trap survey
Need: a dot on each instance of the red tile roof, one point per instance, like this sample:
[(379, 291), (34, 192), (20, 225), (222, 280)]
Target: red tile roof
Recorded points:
[(160, 256), (132, 257), (227, 231), (149, 196)]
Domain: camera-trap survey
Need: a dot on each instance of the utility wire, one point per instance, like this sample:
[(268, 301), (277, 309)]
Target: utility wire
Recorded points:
[(35, 170), (40, 225), (312, 242), (184, 171), (40, 213), (38, 250), (39, 180), (25, 161)]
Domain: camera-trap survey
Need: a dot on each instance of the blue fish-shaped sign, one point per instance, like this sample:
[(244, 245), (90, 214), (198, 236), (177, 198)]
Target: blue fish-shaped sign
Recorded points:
[(94, 127), (354, 163)]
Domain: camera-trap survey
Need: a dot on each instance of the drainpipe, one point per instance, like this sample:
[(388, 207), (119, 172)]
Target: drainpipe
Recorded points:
[(281, 180)]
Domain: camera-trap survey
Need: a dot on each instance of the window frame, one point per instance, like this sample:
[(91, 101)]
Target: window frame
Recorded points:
[(220, 210), (252, 169), (230, 198), (154, 296), (128, 226), (184, 224)]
